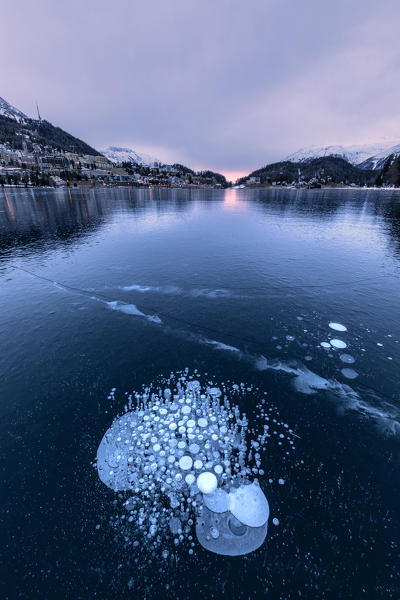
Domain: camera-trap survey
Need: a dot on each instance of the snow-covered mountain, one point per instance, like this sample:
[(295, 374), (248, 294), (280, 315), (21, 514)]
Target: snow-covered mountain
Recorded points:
[(365, 156), (7, 110), (119, 155), (378, 160)]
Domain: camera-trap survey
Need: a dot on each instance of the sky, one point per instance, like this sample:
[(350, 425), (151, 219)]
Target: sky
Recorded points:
[(225, 85)]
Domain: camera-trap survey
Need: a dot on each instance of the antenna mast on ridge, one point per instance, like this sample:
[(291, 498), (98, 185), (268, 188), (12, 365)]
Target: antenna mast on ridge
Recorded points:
[(38, 113)]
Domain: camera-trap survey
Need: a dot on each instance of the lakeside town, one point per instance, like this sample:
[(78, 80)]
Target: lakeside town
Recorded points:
[(38, 166), (33, 166), (33, 153)]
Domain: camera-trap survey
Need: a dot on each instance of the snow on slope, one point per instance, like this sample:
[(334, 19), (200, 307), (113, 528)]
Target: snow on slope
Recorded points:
[(119, 155), (366, 155), (378, 160), (7, 110)]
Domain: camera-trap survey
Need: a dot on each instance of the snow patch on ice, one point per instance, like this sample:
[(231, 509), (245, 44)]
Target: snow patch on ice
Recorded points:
[(131, 309), (173, 290), (220, 345), (305, 381), (143, 289)]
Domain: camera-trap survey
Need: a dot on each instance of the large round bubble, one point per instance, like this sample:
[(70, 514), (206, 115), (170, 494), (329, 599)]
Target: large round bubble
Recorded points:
[(224, 534), (249, 505)]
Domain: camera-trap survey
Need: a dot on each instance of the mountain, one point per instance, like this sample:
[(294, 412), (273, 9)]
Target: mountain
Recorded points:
[(18, 130), (364, 156), (390, 174), (210, 175), (9, 111), (379, 160), (126, 155), (327, 169)]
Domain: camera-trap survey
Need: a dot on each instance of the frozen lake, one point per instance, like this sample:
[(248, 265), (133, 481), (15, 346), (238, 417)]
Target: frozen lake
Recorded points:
[(288, 302)]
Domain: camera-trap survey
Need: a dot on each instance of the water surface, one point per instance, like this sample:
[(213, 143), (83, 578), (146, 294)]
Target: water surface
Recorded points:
[(111, 288)]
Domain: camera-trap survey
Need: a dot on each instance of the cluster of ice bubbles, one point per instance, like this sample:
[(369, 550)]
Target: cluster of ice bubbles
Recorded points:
[(340, 344), (183, 456)]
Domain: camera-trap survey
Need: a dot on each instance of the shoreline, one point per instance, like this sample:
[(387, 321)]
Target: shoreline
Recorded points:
[(198, 187), (322, 187)]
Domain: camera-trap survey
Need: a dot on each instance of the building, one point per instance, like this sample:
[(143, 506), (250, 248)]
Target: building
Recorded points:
[(102, 162), (254, 181)]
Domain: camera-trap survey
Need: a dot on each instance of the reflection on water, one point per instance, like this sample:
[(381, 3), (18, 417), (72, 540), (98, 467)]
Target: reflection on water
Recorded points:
[(28, 215), (293, 293)]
